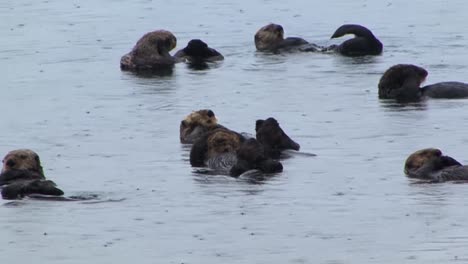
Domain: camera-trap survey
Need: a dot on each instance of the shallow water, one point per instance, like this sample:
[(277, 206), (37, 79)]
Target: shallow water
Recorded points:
[(109, 133)]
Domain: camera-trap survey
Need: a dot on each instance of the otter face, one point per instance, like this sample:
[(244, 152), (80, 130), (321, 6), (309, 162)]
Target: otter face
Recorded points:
[(399, 75), (420, 157), (270, 134), (223, 141), (22, 159), (269, 37), (196, 124)]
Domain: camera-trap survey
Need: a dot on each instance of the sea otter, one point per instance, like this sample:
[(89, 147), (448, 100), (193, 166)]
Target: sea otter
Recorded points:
[(402, 82), (196, 124), (22, 175), (364, 42), (271, 38), (273, 138), (151, 53), (198, 52), (429, 164), (227, 151)]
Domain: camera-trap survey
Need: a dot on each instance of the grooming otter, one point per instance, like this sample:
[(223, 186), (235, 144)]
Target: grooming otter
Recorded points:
[(429, 164), (364, 42), (22, 175), (151, 53), (402, 82)]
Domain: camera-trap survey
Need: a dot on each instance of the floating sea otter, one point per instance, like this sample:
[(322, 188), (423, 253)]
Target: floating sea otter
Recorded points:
[(364, 42), (271, 38), (429, 164), (22, 175), (228, 152), (402, 82), (151, 53), (198, 52)]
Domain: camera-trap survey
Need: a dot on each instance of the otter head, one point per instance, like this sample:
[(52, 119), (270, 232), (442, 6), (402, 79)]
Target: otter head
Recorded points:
[(406, 76), (223, 141), (22, 159), (151, 52), (272, 137), (269, 37), (156, 42), (431, 159), (196, 124), (197, 48)]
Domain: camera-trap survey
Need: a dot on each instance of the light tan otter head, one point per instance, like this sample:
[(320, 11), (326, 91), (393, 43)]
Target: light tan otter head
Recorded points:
[(22, 159), (196, 124), (418, 158), (269, 37), (223, 141)]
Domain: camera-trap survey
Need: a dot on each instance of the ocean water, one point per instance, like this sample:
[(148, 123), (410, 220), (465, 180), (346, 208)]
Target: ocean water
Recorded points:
[(114, 135)]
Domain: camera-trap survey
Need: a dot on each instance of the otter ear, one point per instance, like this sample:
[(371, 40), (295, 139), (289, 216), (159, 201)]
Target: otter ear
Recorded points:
[(210, 113), (258, 124), (183, 123)]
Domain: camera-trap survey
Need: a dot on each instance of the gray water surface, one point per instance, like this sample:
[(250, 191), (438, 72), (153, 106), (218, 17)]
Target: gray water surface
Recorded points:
[(109, 133)]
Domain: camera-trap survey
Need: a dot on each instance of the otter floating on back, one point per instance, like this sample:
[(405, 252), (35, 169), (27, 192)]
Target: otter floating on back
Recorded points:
[(228, 152), (429, 164), (271, 38), (402, 82), (151, 53), (364, 42), (22, 175)]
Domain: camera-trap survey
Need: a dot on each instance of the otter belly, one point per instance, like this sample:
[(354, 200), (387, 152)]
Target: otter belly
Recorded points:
[(222, 163), (449, 90)]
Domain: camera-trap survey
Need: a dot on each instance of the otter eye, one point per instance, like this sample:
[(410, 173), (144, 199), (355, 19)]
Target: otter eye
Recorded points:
[(183, 123), (10, 163), (208, 121), (210, 113)]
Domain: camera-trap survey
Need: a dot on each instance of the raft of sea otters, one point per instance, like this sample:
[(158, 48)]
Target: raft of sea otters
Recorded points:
[(231, 153)]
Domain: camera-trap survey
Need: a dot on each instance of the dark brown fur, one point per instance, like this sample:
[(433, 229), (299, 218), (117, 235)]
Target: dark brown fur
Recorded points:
[(402, 82)]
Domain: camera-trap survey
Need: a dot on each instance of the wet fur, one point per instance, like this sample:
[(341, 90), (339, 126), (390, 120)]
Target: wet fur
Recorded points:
[(196, 124), (273, 138), (151, 52), (364, 42), (402, 82), (213, 143), (22, 174), (430, 165), (251, 156), (271, 38), (198, 52)]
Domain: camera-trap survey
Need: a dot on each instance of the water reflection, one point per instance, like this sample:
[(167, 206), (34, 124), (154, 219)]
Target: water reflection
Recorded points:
[(394, 106)]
